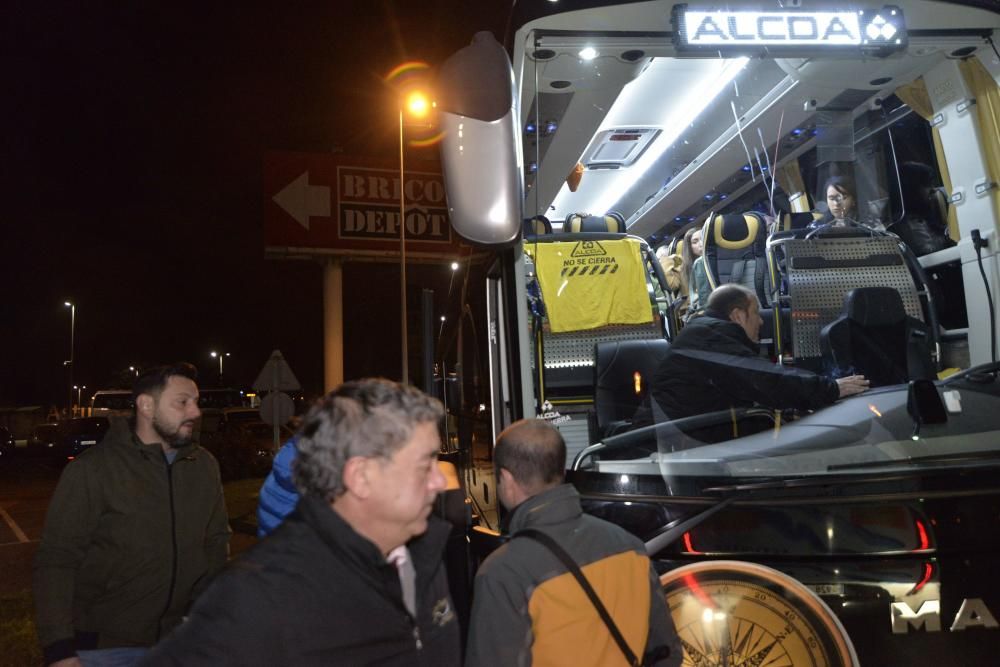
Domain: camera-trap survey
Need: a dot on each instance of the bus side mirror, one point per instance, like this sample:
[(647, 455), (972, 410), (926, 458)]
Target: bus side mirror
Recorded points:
[(924, 403), (480, 151)]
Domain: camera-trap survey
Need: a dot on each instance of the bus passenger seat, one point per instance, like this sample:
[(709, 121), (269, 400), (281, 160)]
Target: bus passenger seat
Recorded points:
[(734, 251), (623, 370), (537, 226), (875, 337), (612, 223), (791, 221)]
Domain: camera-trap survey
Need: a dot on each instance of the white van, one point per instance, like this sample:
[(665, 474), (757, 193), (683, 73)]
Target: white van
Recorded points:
[(112, 402)]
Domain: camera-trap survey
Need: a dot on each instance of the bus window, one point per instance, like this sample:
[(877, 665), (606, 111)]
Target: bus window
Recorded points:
[(623, 123)]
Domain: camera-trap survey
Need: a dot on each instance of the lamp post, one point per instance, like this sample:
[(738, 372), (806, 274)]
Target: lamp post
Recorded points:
[(72, 341), (219, 355), (78, 391), (417, 105)]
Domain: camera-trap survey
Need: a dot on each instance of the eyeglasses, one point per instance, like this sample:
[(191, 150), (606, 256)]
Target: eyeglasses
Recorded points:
[(838, 199)]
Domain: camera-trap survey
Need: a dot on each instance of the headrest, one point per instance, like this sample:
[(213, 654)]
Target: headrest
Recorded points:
[(537, 226), (874, 306), (584, 222), (734, 231), (800, 220), (939, 202), (618, 361)]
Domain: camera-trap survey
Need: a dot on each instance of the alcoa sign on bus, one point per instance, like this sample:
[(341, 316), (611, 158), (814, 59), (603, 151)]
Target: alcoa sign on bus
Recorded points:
[(723, 30)]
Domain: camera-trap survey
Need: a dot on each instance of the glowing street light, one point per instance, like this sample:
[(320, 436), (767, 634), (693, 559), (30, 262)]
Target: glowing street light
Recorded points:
[(134, 370), (417, 104), (79, 389), (219, 355)]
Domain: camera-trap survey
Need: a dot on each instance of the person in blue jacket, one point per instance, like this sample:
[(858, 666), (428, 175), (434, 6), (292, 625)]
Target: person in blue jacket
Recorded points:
[(278, 496)]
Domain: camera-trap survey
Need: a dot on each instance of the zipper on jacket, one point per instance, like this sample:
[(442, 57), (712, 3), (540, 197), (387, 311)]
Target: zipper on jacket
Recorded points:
[(416, 637), (173, 539)]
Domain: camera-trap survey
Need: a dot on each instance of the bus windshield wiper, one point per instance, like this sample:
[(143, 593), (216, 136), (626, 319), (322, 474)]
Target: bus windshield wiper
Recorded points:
[(642, 434), (674, 530), (971, 457)]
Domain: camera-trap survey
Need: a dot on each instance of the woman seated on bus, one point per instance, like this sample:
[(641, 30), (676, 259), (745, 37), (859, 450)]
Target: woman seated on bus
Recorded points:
[(842, 203), (678, 268), (700, 288)]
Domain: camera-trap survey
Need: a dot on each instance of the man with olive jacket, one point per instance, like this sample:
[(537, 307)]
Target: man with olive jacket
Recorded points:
[(136, 528)]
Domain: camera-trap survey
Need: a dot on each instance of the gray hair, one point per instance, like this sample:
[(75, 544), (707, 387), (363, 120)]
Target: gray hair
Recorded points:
[(372, 417)]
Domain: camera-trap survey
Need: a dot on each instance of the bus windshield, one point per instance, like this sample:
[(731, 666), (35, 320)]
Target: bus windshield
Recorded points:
[(821, 181)]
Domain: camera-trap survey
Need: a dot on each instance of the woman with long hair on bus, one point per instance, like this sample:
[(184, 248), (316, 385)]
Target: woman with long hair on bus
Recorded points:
[(694, 263), (678, 268)]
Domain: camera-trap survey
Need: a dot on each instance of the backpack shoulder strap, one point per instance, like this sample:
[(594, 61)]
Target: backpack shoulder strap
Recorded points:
[(560, 553)]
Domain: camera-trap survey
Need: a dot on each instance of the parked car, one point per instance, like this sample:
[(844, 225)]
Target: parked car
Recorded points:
[(75, 436), (112, 402), (232, 417), (43, 440), (213, 402), (245, 448), (6, 444)]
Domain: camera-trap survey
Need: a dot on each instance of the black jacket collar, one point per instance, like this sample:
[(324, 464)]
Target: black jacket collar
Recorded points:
[(339, 536), (721, 329)]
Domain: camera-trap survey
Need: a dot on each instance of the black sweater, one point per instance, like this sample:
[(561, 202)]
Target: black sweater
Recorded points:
[(713, 365), (318, 593)]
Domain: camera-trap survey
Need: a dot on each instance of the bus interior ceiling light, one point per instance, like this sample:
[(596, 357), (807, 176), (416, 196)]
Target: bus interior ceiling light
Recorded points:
[(676, 119), (588, 53)]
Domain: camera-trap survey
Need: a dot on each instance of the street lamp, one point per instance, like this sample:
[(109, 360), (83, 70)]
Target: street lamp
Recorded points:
[(72, 337), (417, 105), (134, 370), (219, 355), (79, 389)]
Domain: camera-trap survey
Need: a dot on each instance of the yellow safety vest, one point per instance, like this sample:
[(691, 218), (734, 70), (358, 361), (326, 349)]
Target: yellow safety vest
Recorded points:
[(590, 284)]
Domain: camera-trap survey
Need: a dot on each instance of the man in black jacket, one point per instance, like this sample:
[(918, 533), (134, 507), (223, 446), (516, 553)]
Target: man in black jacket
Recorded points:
[(714, 364), (355, 575)]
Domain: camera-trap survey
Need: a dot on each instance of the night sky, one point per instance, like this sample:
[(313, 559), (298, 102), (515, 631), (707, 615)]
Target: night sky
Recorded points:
[(133, 141)]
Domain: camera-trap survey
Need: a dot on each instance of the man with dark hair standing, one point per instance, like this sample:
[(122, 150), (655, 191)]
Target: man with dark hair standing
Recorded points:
[(528, 608), (136, 528), (714, 364), (354, 576)]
